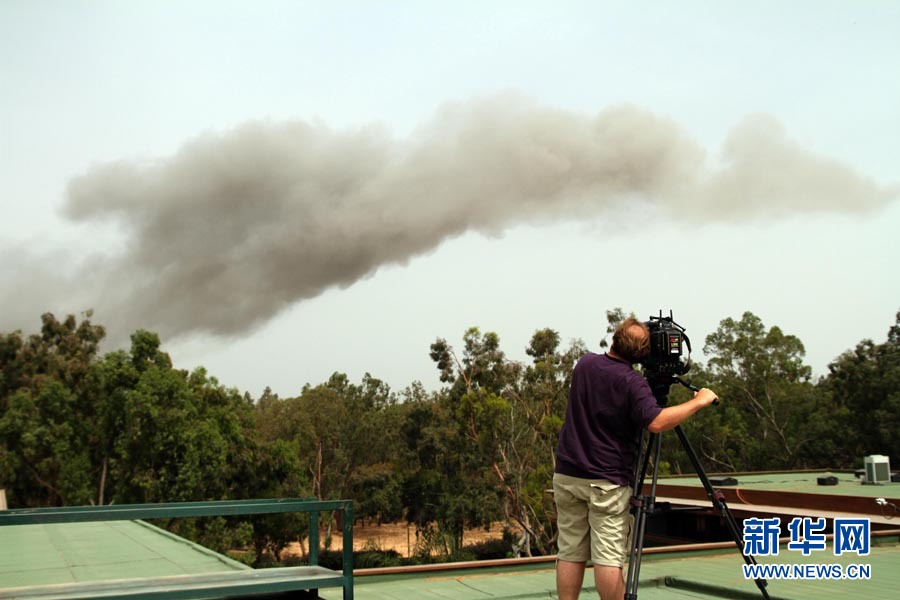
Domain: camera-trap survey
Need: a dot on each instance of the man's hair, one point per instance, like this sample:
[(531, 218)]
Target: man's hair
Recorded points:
[(631, 340)]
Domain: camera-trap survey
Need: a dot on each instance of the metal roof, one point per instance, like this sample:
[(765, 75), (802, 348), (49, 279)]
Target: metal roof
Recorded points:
[(103, 550), (794, 493), (41, 554), (79, 552), (805, 482), (665, 574)]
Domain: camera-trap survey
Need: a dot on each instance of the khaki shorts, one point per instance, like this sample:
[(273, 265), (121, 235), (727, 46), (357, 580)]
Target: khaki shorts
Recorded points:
[(594, 520)]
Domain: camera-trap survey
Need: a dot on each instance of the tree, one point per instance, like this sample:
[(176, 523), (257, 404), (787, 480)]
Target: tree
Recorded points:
[(340, 428), (44, 451), (342, 436), (166, 435), (64, 350), (46, 420), (613, 318), (768, 398), (275, 470), (865, 381), (501, 422), (528, 452), (456, 484)]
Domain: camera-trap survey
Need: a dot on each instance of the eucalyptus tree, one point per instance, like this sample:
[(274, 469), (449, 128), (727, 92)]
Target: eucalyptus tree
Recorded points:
[(769, 403), (457, 484), (865, 382), (500, 422), (528, 451), (340, 428)]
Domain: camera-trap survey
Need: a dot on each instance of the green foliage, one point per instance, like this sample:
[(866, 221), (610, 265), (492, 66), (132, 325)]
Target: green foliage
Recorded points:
[(490, 437), (378, 490), (771, 416), (762, 375), (538, 407), (491, 549), (457, 439), (127, 427), (51, 464), (219, 534), (866, 381), (370, 558), (168, 435), (613, 318), (46, 418)]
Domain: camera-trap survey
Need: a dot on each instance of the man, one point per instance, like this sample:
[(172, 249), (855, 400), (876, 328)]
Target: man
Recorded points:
[(609, 405)]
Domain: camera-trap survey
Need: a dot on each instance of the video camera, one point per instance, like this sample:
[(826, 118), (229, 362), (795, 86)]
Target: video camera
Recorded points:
[(667, 343)]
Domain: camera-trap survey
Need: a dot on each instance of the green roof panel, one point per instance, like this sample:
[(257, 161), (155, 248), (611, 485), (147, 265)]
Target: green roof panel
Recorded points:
[(94, 551)]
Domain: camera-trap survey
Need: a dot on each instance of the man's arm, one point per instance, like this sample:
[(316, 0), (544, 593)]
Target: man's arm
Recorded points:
[(672, 416)]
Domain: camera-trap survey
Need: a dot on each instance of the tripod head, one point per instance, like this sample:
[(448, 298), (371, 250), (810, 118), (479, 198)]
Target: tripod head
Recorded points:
[(660, 385)]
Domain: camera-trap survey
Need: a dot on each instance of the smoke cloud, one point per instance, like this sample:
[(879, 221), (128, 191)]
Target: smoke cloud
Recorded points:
[(237, 226)]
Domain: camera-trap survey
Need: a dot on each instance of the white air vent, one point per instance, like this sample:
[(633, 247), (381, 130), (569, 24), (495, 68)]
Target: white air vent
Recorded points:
[(878, 469)]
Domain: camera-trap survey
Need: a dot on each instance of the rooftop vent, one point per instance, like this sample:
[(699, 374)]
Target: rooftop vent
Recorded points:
[(878, 469)]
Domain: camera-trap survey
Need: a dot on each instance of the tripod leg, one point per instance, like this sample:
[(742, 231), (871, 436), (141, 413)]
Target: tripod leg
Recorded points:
[(641, 507), (718, 500)]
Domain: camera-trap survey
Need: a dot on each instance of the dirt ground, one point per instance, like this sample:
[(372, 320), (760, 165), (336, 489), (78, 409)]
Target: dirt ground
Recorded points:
[(394, 536)]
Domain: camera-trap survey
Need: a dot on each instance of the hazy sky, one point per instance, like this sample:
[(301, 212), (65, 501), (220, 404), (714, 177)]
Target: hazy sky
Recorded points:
[(288, 189)]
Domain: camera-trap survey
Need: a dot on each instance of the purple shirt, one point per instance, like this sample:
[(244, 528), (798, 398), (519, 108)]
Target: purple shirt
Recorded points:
[(609, 405)]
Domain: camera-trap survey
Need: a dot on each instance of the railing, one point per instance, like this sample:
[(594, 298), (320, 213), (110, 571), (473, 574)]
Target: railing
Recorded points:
[(212, 585)]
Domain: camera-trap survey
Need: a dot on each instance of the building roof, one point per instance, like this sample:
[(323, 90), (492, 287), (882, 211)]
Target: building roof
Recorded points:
[(791, 493), (32, 555), (715, 573), (95, 551), (803, 482)]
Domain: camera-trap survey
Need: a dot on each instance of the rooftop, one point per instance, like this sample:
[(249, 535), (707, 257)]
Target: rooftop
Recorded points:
[(110, 551), (714, 573), (793, 493), (802, 482), (77, 552)]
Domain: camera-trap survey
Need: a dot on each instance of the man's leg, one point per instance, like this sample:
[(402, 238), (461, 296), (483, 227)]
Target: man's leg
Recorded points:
[(571, 495), (569, 578), (610, 582), (611, 524)]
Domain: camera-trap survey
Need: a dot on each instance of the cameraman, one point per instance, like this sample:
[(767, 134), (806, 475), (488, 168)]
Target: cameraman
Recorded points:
[(609, 404)]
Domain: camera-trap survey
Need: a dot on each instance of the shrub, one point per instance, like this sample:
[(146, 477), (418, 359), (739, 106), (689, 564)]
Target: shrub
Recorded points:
[(489, 549)]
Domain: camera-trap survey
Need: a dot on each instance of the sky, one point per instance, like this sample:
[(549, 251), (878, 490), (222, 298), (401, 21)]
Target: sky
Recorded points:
[(284, 190)]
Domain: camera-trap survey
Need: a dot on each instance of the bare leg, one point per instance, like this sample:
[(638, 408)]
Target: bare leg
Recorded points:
[(569, 577), (610, 583)]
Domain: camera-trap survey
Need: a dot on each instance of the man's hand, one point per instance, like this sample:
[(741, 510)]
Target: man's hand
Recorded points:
[(705, 396), (671, 416)]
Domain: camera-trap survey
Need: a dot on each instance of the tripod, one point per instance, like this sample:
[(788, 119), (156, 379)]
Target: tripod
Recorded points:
[(643, 506)]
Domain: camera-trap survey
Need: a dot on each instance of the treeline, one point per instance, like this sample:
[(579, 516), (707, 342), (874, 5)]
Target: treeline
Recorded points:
[(77, 427)]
